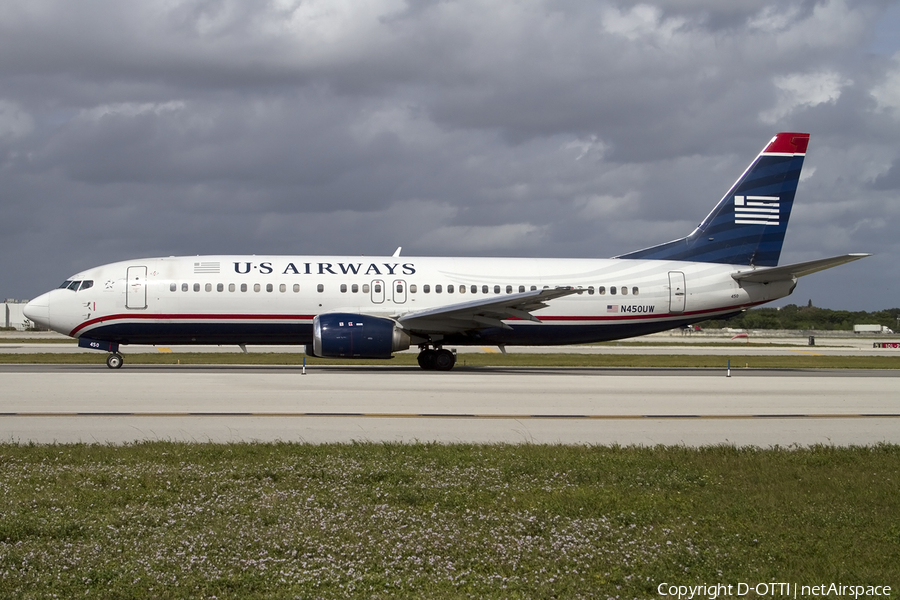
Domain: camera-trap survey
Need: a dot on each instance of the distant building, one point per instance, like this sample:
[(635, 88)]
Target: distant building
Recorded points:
[(13, 315)]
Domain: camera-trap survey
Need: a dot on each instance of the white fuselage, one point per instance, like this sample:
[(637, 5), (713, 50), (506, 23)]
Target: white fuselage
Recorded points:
[(274, 299)]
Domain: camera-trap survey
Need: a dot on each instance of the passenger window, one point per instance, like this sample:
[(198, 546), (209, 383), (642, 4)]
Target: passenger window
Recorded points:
[(220, 287), (533, 288), (320, 288), (462, 289), (590, 290), (601, 290), (296, 288), (243, 287), (343, 288), (412, 288), (624, 290), (270, 287), (256, 287), (365, 288), (521, 288), (208, 287), (230, 287), (509, 289), (496, 289), (612, 290), (196, 287), (634, 290), (173, 287), (282, 288), (377, 288), (474, 289), (437, 289), (354, 288), (450, 289), (484, 289), (87, 283), (426, 288)]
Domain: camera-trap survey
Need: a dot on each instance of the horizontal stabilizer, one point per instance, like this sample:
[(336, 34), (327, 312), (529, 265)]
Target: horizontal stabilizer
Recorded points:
[(783, 273)]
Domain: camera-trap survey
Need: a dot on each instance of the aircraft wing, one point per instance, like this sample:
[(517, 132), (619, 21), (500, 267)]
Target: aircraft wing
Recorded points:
[(479, 314), (782, 273)]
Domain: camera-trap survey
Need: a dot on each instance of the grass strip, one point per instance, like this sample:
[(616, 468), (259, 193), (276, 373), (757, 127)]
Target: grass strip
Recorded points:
[(179, 520), (799, 361)]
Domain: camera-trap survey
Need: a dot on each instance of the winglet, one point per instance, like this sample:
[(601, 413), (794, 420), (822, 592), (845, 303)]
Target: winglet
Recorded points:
[(397, 251)]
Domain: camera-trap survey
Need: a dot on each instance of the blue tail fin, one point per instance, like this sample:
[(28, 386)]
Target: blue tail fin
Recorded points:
[(747, 226)]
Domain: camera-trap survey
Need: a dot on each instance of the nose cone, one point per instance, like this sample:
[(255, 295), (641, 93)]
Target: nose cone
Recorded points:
[(38, 310)]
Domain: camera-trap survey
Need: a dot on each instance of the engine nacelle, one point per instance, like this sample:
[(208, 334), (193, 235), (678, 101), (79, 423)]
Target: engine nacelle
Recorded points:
[(348, 335)]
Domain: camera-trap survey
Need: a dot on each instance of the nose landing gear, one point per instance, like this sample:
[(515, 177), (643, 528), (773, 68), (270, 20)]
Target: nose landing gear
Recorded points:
[(436, 359)]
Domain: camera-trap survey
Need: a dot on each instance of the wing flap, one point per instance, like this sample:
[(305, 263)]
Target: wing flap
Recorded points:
[(786, 272), (487, 312)]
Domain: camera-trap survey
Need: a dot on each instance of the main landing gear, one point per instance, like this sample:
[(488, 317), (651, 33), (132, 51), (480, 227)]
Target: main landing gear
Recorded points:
[(114, 360), (436, 359)]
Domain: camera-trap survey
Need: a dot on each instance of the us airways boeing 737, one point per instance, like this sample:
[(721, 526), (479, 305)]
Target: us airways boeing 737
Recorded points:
[(352, 307)]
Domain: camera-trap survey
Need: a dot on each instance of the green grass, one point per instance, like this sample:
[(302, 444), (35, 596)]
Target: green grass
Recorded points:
[(799, 361), (173, 520)]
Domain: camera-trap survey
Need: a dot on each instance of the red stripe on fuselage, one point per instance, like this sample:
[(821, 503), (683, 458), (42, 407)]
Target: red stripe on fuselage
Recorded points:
[(239, 317), (190, 317)]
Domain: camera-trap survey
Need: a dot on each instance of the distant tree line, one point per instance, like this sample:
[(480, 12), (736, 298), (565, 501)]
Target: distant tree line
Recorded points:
[(806, 317)]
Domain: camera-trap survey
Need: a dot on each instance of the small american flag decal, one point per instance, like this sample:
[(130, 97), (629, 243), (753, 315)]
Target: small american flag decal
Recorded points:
[(756, 210), (206, 267)]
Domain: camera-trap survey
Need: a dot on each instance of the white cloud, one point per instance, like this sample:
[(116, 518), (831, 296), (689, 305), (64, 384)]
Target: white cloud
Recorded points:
[(14, 122), (603, 206), (641, 23), (801, 90), (132, 109), (887, 93), (482, 238)]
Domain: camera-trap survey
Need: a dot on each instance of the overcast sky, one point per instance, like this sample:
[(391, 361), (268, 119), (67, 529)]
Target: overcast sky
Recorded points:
[(575, 128)]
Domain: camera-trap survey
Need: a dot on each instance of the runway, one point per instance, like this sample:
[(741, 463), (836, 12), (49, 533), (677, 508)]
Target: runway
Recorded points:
[(90, 403)]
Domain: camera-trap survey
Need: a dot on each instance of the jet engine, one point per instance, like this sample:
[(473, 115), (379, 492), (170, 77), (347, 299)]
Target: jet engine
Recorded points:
[(348, 335)]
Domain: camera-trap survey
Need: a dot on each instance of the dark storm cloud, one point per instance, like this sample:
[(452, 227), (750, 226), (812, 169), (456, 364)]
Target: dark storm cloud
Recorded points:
[(571, 128)]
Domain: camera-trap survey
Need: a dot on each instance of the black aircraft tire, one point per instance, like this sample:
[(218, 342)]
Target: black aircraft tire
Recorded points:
[(444, 360), (426, 359), (114, 361)]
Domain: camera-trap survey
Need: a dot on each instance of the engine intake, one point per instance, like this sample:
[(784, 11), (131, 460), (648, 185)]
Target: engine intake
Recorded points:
[(348, 335)]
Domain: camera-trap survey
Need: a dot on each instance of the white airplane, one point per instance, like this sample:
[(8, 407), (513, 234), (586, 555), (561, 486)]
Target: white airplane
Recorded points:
[(365, 307)]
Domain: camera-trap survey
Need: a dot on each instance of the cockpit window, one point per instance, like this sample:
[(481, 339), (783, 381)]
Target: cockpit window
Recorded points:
[(74, 286), (65, 284), (87, 283)]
